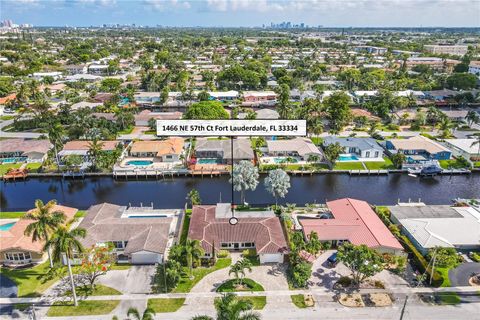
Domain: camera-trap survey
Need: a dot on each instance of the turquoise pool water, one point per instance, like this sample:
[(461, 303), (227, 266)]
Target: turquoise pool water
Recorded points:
[(140, 163), (7, 226), (207, 161), (12, 160), (347, 158), (284, 160)]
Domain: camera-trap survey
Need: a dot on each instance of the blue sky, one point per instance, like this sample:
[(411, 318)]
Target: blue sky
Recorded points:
[(231, 13)]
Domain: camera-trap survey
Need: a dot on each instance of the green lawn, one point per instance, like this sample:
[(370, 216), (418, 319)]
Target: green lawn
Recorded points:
[(316, 140), (11, 214), (5, 118), (5, 167), (298, 300), (257, 302), (448, 298), (446, 279), (451, 164), (100, 290), (186, 224), (150, 132), (121, 266), (28, 280), (162, 305), (348, 166), (33, 167), (126, 131), (249, 284), (376, 165), (186, 284), (84, 308)]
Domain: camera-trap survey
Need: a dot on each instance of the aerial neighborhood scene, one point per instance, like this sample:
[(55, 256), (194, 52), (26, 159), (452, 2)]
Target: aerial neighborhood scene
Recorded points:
[(342, 180)]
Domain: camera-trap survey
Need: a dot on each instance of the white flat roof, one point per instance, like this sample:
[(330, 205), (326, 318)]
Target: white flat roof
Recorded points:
[(464, 145)]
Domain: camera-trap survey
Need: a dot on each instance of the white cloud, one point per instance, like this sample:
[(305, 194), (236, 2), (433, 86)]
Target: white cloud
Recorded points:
[(164, 5)]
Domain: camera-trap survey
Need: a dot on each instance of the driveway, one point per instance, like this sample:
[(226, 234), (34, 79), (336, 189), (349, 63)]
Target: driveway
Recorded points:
[(461, 274), (8, 289), (137, 279), (325, 277)]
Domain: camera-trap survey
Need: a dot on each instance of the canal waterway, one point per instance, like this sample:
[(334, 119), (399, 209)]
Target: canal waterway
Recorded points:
[(171, 193)]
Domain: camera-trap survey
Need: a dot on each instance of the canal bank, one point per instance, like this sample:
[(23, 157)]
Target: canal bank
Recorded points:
[(171, 192)]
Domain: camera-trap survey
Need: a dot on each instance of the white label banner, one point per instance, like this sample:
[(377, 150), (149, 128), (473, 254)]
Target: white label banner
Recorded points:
[(231, 128)]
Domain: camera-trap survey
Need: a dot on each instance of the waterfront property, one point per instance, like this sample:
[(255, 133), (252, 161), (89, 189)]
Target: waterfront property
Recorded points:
[(429, 226), (16, 248), (82, 147), (353, 221), (297, 150), (259, 230), (361, 149), (464, 148), (168, 150), (140, 235), (21, 150), (215, 151), (259, 98), (418, 150)]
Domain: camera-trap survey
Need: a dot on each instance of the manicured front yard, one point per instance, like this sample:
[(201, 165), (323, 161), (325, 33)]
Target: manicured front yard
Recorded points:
[(11, 214), (248, 285), (29, 280), (84, 308), (451, 164), (121, 266), (100, 290), (186, 284), (298, 300), (5, 167), (161, 305), (348, 166)]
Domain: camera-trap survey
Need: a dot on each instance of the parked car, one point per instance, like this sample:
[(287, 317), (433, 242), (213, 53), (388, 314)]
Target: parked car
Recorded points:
[(332, 260)]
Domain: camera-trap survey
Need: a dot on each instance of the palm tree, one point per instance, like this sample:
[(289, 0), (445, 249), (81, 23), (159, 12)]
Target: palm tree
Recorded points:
[(45, 222), (238, 269), (193, 251), (94, 152), (55, 132), (201, 318), (230, 308), (65, 242), (148, 314), (477, 142)]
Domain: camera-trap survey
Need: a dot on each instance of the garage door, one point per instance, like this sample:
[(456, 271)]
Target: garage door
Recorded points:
[(271, 258), (146, 257)]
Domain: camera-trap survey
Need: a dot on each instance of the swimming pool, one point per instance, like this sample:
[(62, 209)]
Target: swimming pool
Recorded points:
[(207, 161), (347, 157), (13, 160), (284, 160), (7, 226), (140, 163)]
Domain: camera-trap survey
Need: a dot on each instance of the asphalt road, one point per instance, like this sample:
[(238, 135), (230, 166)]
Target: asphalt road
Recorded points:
[(461, 274)]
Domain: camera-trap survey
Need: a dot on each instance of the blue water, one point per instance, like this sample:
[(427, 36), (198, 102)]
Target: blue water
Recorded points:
[(207, 161), (284, 160), (347, 158), (140, 163), (7, 226), (152, 216)]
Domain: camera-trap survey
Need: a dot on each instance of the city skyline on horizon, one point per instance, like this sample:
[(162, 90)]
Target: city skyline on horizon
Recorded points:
[(243, 13)]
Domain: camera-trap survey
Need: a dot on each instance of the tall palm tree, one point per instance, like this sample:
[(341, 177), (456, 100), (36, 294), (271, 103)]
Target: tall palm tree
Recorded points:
[(193, 251), (94, 152), (55, 132), (65, 242), (45, 222), (148, 314), (230, 308)]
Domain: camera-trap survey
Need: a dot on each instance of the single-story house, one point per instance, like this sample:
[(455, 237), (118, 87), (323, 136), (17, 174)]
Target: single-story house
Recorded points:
[(224, 95), (83, 77), (140, 235), (297, 147), (254, 98), (18, 249), (263, 114), (142, 118), (168, 150), (429, 226), (353, 221), (465, 148), (259, 230), (418, 149), (24, 150), (98, 69), (85, 104), (221, 150), (81, 148), (365, 148), (456, 115)]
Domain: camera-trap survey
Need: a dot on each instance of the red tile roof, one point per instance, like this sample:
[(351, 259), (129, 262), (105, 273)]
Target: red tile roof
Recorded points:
[(355, 221), (266, 233)]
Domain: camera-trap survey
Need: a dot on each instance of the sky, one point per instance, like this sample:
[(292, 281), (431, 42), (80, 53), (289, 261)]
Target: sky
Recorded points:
[(244, 13)]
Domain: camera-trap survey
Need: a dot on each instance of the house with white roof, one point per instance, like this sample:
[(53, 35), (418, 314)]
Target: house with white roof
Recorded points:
[(429, 226), (464, 148)]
